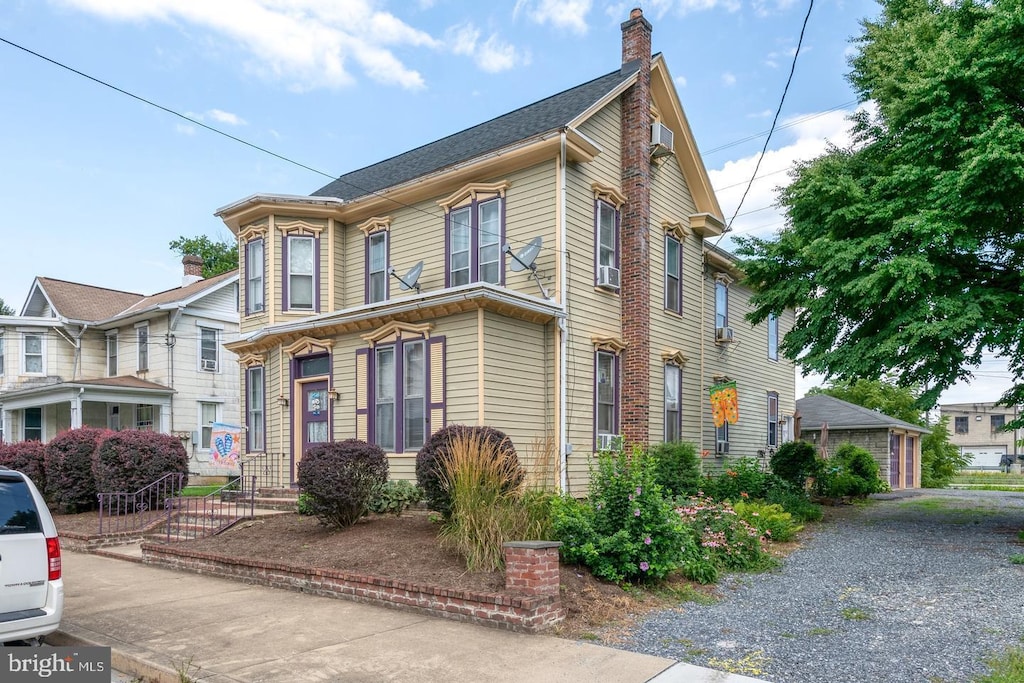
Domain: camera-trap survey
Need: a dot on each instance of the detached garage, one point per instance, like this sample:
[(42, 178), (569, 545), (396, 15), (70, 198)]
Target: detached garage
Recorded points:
[(894, 444)]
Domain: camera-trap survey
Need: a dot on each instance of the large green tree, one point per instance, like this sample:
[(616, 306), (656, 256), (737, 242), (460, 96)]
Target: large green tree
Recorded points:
[(5, 309), (218, 256), (903, 254)]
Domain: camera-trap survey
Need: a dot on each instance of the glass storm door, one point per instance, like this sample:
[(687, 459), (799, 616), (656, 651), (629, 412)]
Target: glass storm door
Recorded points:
[(315, 414)]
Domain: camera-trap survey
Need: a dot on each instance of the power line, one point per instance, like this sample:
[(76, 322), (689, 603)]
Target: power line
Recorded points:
[(790, 124), (778, 111)]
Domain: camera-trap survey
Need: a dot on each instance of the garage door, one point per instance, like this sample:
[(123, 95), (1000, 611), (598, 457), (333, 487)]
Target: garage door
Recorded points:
[(985, 458)]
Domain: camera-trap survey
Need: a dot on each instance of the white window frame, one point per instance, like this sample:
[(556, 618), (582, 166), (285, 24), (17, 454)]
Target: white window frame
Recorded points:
[(674, 379), (615, 380), (206, 428), (772, 439), (2, 358), (255, 416), (203, 331), (607, 254), (674, 288), (377, 241), (112, 354), (142, 346), (289, 275), (410, 398), (41, 354), (773, 337), (385, 438), (255, 294), (721, 303)]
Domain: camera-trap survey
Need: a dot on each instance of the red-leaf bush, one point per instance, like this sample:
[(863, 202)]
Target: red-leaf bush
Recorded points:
[(70, 482), (131, 460), (438, 447), (26, 457), (341, 478)]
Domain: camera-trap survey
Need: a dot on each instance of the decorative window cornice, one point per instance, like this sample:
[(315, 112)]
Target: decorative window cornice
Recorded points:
[(251, 360), (252, 232), (308, 345), (675, 228), (608, 193), (724, 278), (612, 344), (673, 357), (299, 228), (472, 192), (395, 330), (376, 224)]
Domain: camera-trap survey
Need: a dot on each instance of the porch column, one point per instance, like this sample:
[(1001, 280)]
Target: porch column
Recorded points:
[(76, 411), (164, 424), (5, 426)]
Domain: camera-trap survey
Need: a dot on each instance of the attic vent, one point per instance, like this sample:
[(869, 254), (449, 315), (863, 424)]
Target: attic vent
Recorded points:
[(661, 139)]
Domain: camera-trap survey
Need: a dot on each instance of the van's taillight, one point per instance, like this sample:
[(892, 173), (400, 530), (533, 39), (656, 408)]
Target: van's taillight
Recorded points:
[(53, 557)]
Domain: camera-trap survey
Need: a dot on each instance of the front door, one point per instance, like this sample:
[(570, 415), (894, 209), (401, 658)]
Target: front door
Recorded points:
[(894, 461), (315, 414)]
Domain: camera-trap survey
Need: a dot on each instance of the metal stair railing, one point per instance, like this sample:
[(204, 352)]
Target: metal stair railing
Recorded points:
[(192, 517), (123, 512)]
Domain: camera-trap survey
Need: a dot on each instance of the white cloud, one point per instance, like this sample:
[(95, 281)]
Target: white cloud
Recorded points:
[(763, 114), (185, 129), (226, 117), (563, 14), (492, 55), (728, 80), (680, 81), (663, 7), (306, 43)]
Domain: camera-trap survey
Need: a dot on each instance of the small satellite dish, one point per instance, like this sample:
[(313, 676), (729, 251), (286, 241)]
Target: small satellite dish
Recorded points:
[(524, 260), (526, 256), (410, 280)]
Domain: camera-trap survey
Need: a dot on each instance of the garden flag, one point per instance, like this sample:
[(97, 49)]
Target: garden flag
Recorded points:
[(725, 406), (225, 444)]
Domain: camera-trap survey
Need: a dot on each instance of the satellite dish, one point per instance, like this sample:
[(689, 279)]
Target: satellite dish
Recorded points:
[(526, 256), (410, 280)]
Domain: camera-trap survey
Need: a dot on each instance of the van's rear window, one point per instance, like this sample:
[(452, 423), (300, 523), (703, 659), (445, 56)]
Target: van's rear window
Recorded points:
[(18, 514)]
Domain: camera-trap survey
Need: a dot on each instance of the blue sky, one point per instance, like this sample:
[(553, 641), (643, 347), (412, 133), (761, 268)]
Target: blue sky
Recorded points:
[(95, 184)]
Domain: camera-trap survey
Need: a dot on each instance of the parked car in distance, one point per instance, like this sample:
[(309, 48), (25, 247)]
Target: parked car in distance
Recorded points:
[(31, 587)]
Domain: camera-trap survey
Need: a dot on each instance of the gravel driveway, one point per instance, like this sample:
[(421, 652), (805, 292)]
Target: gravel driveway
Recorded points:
[(914, 587)]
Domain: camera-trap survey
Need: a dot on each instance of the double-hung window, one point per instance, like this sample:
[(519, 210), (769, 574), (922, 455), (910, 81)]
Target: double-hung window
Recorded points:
[(377, 267), (400, 400), (32, 429), (254, 410), (606, 218), (773, 419), (32, 354), (112, 354), (673, 275), (773, 337), (208, 414), (474, 242), (301, 273), (721, 303), (606, 393), (673, 414), (254, 268), (1, 359), (142, 340), (208, 349), (144, 417)]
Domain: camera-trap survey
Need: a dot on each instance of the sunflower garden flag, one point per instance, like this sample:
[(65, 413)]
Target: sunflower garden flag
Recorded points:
[(725, 406)]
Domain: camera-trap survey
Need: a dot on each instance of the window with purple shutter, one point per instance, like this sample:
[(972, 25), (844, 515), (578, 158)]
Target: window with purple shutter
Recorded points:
[(254, 269), (301, 288), (255, 412), (473, 240)]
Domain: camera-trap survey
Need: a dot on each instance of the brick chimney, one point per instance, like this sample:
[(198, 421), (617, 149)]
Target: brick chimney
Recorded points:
[(635, 232), (193, 269)]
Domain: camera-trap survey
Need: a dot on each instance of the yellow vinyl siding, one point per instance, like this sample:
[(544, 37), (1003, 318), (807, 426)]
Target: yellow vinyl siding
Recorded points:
[(518, 379)]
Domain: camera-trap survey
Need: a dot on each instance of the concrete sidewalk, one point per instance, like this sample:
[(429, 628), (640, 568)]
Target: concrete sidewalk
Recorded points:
[(161, 623)]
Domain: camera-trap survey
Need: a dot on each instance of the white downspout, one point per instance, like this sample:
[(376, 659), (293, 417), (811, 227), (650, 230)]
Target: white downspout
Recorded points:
[(563, 323)]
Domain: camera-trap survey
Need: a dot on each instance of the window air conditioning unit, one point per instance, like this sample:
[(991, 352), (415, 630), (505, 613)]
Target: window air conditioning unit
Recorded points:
[(209, 365), (723, 335), (721, 447), (608, 277), (609, 442), (661, 139)]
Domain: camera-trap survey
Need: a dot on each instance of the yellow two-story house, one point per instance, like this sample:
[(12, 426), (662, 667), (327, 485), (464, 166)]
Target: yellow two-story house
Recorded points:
[(550, 273)]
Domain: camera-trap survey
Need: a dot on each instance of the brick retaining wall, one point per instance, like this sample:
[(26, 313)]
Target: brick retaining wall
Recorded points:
[(512, 611)]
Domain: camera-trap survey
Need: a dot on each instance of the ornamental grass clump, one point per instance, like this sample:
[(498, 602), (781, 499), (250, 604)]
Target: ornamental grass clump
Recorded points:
[(626, 531), (340, 479), (726, 541), (482, 481)]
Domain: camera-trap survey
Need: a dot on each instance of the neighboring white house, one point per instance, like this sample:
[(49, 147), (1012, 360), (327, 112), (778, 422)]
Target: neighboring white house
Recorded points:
[(80, 355)]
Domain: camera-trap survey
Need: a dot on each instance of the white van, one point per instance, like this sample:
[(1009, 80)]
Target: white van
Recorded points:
[(31, 587)]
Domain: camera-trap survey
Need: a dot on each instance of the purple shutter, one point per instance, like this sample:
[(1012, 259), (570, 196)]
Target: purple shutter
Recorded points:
[(501, 244), (436, 385), (316, 274), (364, 394), (366, 269), (284, 272), (894, 461), (909, 471), (448, 248)]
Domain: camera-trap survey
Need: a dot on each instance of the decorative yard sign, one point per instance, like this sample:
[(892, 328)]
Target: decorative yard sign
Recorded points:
[(225, 444), (725, 406)]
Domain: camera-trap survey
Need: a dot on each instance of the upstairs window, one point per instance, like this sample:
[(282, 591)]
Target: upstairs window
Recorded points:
[(474, 242), (997, 422), (1, 358), (142, 341), (721, 303), (606, 217), (961, 424), (254, 268), (673, 275), (32, 355), (112, 355), (300, 273), (377, 267), (773, 337), (209, 348)]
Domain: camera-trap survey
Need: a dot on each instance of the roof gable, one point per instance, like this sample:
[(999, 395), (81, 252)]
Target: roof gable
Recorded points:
[(819, 409), (75, 301), (184, 296)]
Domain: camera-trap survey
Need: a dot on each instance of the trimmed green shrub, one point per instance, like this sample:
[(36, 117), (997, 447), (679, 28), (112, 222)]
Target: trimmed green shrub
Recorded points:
[(677, 468), (626, 531), (304, 505), (131, 460), (795, 462), (851, 471), (770, 519), (438, 447), (341, 479), (70, 482), (395, 497), (741, 478), (795, 503), (28, 458)]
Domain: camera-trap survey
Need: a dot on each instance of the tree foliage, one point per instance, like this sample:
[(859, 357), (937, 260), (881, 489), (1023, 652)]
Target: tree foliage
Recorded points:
[(5, 309), (940, 460), (903, 254), (218, 256)]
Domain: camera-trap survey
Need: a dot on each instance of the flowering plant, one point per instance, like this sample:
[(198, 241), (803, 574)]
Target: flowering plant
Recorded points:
[(726, 541)]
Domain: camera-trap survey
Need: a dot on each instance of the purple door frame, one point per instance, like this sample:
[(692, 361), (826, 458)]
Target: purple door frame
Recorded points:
[(910, 462), (894, 461), (316, 416)]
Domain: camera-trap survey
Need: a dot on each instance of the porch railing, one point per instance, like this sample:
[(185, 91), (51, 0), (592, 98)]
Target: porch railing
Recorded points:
[(190, 517), (266, 469), (122, 512)]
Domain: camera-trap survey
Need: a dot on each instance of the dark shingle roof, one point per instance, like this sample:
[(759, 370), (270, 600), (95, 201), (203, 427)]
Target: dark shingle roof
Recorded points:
[(532, 120), (838, 414)]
